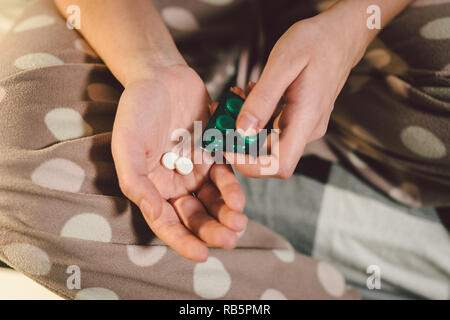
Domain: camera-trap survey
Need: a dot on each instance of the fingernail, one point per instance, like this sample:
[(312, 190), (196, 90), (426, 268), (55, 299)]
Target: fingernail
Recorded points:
[(147, 209), (247, 122)]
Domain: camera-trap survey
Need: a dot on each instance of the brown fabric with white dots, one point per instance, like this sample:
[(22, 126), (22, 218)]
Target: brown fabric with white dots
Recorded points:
[(60, 205), (61, 209)]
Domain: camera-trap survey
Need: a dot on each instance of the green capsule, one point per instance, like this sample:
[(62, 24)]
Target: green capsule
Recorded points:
[(234, 106)]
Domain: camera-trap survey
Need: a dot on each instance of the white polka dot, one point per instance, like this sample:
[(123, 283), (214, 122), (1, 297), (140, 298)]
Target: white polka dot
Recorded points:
[(2, 94), (96, 294), (424, 3), (423, 142), (59, 174), (179, 18), (37, 60), (83, 46), (438, 29), (211, 279), (66, 123), (285, 255), (218, 2), (102, 92), (87, 226), (379, 58), (272, 294), (331, 279), (35, 22), (27, 258), (145, 256)]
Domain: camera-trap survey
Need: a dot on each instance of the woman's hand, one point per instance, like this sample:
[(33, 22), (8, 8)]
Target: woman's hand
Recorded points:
[(308, 66), (150, 110)]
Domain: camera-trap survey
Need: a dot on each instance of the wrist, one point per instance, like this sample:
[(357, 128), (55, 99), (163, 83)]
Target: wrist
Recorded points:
[(350, 17)]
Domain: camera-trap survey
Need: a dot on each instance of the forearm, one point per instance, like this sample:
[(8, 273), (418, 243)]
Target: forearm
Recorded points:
[(352, 17), (131, 39)]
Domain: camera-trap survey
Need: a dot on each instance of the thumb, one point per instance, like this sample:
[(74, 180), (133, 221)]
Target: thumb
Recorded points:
[(258, 107)]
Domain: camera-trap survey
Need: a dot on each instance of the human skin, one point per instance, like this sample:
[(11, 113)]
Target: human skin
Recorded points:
[(162, 94), (308, 67)]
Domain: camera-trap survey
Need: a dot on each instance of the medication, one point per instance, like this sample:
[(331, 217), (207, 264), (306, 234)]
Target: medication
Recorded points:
[(224, 120), (184, 166), (168, 160)]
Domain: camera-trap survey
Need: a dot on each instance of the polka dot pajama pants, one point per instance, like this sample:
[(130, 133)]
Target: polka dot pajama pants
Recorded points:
[(64, 221)]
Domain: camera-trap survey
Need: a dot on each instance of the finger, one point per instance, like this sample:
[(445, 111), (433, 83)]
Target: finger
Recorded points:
[(169, 229), (132, 176), (194, 216), (226, 181), (265, 95), (211, 198)]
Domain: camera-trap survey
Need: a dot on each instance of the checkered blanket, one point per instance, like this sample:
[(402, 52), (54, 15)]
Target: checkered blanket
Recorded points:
[(327, 212)]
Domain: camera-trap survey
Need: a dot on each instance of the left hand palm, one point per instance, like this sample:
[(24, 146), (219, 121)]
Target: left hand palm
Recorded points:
[(149, 112)]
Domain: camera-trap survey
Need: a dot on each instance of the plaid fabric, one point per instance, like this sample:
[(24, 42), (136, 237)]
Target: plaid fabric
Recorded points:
[(328, 212)]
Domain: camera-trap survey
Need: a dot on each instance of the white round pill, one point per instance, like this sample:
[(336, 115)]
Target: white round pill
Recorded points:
[(184, 166), (168, 160)]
